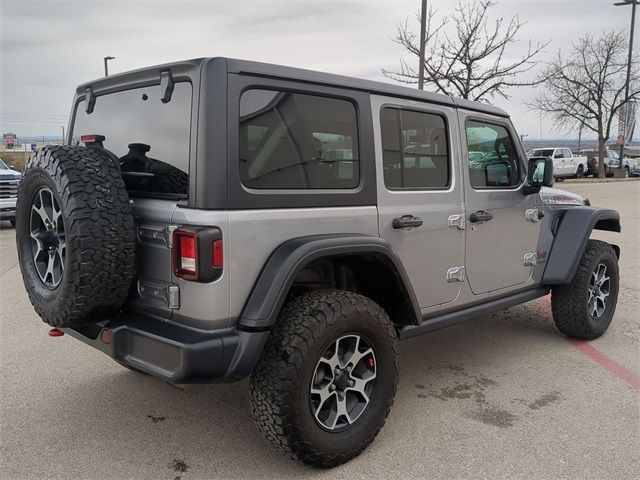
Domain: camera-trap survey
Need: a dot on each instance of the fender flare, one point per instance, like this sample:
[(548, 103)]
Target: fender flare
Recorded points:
[(269, 292), (571, 236)]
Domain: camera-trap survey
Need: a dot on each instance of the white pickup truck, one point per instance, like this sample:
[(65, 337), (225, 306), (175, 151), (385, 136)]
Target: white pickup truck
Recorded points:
[(565, 164)]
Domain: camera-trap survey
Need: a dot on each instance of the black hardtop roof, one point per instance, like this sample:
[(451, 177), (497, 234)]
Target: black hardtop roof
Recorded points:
[(299, 74)]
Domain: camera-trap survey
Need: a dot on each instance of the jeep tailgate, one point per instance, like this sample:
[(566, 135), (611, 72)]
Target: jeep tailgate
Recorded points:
[(152, 291)]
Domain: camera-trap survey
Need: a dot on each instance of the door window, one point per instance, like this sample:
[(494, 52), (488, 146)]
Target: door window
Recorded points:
[(297, 141), (499, 167), (415, 151)]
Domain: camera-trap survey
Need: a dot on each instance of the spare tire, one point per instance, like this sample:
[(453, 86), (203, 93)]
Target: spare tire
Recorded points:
[(75, 235)]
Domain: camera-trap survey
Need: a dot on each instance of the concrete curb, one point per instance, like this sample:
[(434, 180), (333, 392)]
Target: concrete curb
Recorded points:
[(598, 180)]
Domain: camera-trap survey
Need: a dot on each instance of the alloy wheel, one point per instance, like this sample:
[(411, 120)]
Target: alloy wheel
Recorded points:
[(599, 289), (343, 382), (47, 234)]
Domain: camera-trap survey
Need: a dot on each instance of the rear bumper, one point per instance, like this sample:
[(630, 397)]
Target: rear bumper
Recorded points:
[(172, 352)]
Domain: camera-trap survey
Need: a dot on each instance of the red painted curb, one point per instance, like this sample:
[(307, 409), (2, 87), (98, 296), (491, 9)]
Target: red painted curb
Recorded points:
[(591, 352)]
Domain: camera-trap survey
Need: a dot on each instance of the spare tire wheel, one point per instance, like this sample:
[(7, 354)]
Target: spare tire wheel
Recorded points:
[(75, 235)]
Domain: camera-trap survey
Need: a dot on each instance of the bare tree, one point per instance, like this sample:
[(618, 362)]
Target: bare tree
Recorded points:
[(470, 60), (584, 88)]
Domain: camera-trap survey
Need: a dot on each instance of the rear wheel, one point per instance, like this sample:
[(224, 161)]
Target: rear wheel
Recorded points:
[(75, 235), (626, 172), (584, 308), (580, 172), (327, 378)]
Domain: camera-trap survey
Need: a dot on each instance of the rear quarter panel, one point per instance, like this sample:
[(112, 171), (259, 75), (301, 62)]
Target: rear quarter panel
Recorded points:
[(254, 234)]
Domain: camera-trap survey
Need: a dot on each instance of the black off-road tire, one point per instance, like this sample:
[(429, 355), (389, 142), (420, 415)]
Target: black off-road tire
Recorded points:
[(280, 384), (99, 262), (569, 303), (580, 172)]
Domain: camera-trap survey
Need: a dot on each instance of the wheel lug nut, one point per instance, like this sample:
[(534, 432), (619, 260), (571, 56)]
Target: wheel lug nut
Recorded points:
[(332, 387), (351, 383)]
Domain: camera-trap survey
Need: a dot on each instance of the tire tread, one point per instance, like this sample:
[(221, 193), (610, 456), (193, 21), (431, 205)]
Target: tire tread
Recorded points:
[(273, 385), (568, 301), (100, 235)]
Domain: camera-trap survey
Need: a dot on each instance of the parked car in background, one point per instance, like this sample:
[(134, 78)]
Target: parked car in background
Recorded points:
[(565, 164), (611, 160), (9, 180), (633, 168)]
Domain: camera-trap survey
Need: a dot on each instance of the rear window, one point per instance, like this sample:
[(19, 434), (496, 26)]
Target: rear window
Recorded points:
[(414, 149), (149, 138), (297, 141)]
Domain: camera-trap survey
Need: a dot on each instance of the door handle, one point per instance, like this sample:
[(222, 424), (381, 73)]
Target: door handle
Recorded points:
[(407, 221), (481, 216)]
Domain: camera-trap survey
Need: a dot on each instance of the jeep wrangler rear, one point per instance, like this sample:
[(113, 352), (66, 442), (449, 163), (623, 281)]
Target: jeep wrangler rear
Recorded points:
[(215, 219)]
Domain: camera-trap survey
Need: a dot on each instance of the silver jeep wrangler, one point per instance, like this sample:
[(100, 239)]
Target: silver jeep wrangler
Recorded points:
[(215, 219)]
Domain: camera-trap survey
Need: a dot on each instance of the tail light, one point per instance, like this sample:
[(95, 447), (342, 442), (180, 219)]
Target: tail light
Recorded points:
[(198, 253), (186, 254)]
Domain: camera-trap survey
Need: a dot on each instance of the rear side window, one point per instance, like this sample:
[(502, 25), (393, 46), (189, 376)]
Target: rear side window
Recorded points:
[(415, 153), (297, 141), (499, 166), (150, 138)]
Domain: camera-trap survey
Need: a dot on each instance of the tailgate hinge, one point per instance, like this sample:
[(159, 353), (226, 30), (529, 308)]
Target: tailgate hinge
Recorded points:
[(166, 294), (156, 234)]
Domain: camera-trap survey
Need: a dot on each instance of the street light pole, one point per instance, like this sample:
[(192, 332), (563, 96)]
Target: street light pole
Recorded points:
[(106, 70), (626, 110), (423, 34)]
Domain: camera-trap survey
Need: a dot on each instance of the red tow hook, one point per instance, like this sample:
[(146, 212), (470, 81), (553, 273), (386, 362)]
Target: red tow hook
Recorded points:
[(56, 332)]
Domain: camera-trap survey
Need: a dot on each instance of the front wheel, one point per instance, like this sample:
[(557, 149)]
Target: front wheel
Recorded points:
[(327, 377), (584, 308), (626, 172)]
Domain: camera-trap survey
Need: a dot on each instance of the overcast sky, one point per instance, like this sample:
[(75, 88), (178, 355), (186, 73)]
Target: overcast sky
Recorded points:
[(49, 47)]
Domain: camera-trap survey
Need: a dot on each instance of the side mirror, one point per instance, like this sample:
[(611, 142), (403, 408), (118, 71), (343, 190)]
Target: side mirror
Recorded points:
[(540, 174)]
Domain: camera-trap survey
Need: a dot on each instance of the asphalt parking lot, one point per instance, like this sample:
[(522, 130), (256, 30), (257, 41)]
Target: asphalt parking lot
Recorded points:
[(503, 396)]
